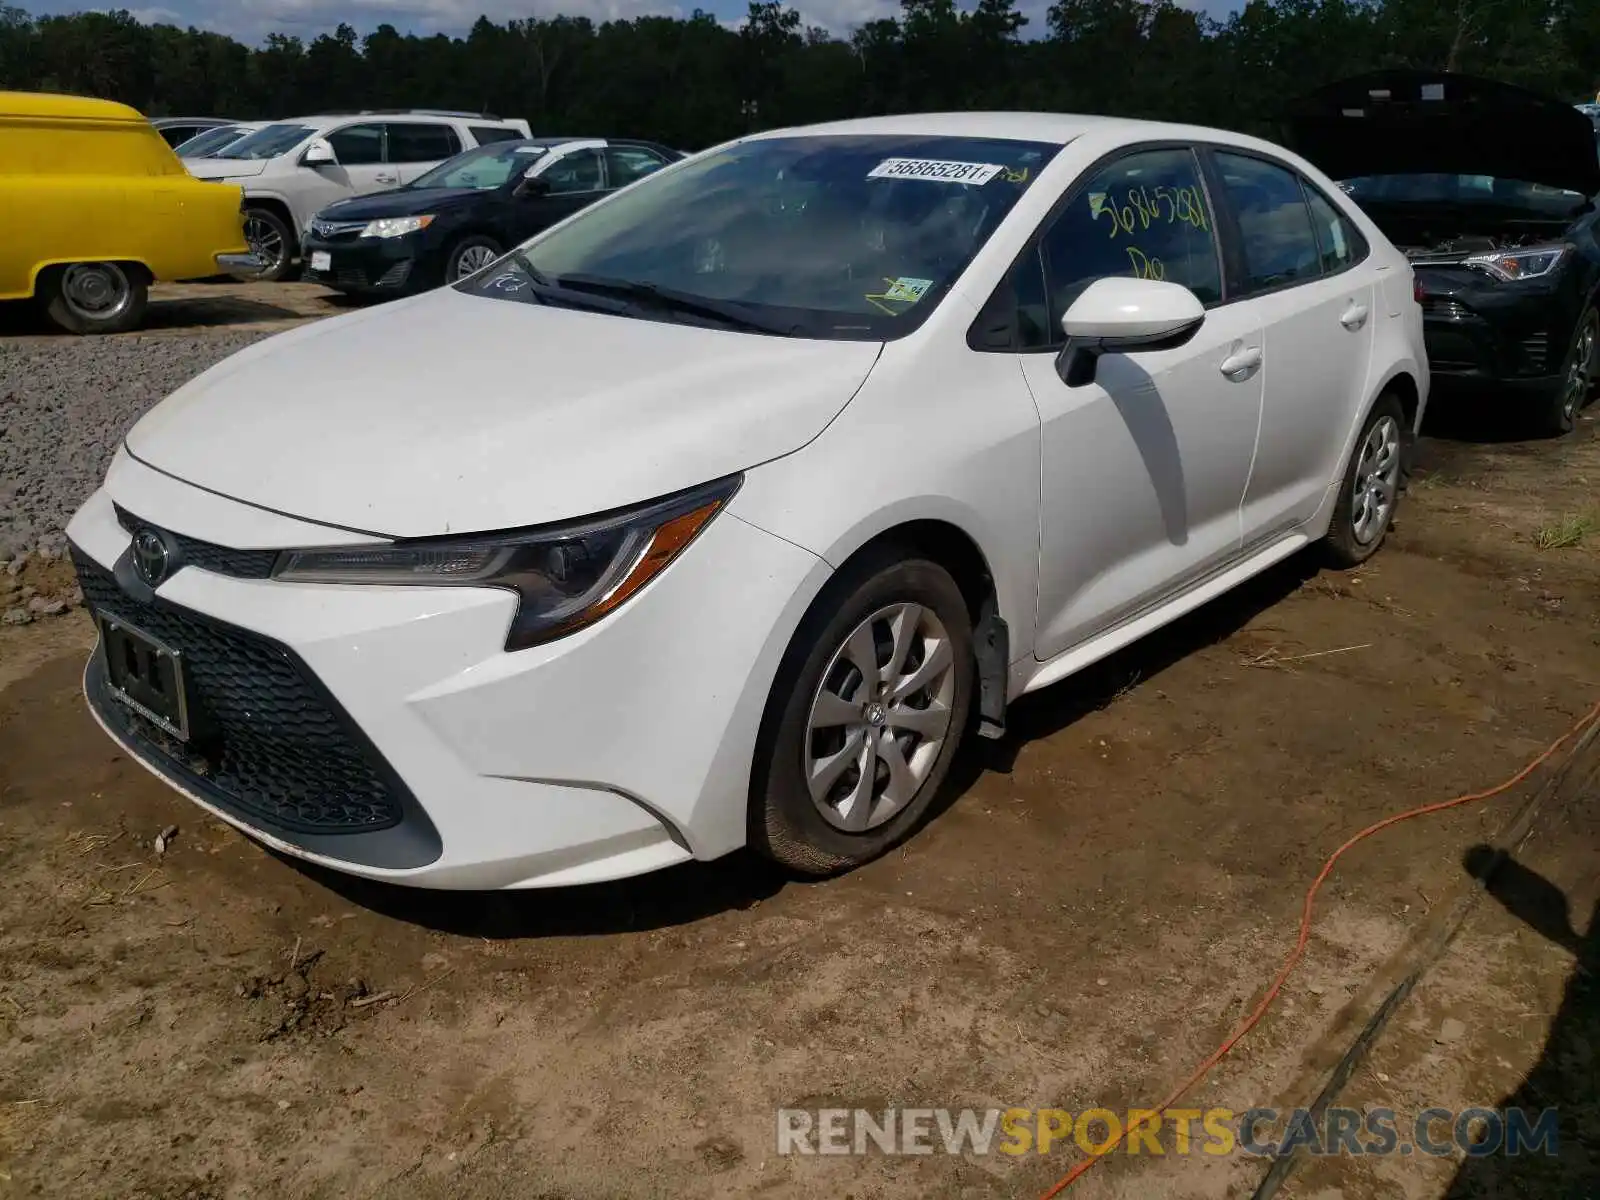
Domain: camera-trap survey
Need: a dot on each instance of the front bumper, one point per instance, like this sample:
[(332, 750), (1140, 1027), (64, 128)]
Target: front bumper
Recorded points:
[(370, 265), (1479, 334), (384, 731)]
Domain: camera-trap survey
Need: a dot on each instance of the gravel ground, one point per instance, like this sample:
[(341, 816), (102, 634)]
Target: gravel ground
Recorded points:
[(65, 404)]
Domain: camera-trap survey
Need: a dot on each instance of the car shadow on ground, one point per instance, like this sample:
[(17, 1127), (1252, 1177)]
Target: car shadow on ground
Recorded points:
[(1567, 1074), (24, 318), (690, 892)]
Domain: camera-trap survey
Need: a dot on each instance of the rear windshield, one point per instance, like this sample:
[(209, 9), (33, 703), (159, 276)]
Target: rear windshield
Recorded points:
[(1484, 190), (268, 142), (845, 236), (210, 141)]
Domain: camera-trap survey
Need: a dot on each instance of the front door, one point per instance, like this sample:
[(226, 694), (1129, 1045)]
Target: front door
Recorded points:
[(1144, 469)]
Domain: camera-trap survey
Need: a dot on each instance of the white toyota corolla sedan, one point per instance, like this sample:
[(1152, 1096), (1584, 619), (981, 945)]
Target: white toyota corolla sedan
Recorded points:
[(720, 512)]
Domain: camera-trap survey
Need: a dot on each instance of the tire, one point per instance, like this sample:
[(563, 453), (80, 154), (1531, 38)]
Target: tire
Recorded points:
[(1578, 371), (1375, 474), (469, 250), (95, 297), (271, 238), (809, 723)]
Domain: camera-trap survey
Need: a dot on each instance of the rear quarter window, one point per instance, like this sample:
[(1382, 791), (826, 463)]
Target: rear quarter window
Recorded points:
[(485, 134)]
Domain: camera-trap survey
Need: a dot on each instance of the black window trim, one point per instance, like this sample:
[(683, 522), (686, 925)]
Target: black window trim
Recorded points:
[(985, 323), (1228, 224)]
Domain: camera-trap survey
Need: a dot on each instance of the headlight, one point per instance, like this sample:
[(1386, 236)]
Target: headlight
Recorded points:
[(565, 577), (393, 227), (1512, 265)]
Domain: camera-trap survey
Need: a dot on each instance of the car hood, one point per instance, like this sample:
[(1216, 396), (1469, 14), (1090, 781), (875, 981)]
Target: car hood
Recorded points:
[(1433, 122), (225, 168), (452, 413), (402, 202)]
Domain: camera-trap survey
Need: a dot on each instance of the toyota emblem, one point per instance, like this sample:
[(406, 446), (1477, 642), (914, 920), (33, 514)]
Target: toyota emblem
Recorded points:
[(150, 556)]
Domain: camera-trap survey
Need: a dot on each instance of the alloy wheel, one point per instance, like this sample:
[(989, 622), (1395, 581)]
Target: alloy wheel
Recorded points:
[(473, 259), (1580, 372), (879, 717), (265, 240), (1377, 481)]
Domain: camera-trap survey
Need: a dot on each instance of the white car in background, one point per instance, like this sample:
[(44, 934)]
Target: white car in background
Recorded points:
[(721, 511), (290, 170)]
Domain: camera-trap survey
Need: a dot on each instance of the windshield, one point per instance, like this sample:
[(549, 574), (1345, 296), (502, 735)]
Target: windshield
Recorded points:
[(210, 141), (268, 142), (485, 168), (1535, 198), (842, 236)]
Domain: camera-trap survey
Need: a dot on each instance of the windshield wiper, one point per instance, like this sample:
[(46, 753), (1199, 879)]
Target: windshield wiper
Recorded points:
[(673, 300)]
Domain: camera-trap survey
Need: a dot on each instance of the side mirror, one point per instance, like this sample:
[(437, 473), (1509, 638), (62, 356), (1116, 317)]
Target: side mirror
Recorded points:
[(319, 154), (531, 186), (1119, 315)]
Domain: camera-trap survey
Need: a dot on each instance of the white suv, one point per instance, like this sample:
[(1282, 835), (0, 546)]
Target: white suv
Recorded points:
[(290, 170)]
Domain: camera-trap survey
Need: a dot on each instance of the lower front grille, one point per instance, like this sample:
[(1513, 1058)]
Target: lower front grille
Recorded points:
[(268, 743)]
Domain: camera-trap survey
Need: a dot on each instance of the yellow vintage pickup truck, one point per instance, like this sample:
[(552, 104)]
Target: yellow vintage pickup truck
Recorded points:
[(94, 207)]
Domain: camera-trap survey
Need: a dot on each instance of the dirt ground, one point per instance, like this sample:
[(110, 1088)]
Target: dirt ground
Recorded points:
[(1107, 892)]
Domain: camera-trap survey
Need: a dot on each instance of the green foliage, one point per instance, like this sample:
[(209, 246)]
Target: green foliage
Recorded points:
[(694, 81)]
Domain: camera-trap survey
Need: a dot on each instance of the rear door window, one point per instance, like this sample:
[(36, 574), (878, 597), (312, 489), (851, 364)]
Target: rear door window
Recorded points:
[(1277, 238), (484, 134), (419, 143), (627, 163)]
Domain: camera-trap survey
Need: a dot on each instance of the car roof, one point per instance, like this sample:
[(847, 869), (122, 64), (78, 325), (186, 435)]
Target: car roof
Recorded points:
[(81, 108), (1057, 128)]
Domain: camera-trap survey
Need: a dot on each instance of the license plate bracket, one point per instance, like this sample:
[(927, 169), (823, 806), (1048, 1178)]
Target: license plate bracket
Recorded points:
[(145, 675)]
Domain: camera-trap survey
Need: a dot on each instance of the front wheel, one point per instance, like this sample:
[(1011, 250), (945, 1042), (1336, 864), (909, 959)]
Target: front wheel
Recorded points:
[(272, 241), (864, 718), (469, 256), (1577, 375), (1371, 488), (95, 297)]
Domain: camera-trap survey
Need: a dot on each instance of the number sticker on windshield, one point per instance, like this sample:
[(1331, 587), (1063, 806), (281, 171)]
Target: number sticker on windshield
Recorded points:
[(935, 170), (903, 290)]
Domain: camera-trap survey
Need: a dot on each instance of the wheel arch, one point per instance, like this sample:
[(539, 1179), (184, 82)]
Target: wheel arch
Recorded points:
[(43, 269)]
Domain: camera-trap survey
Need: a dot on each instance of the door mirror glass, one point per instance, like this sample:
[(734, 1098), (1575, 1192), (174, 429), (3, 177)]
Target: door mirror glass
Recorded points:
[(1119, 315), (319, 153)]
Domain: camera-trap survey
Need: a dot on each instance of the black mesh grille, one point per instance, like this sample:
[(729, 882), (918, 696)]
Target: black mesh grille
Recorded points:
[(208, 556), (264, 740)]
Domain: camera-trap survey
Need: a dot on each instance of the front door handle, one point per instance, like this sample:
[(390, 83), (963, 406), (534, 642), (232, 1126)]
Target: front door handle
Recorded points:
[(387, 178), (1238, 366), (1354, 317)]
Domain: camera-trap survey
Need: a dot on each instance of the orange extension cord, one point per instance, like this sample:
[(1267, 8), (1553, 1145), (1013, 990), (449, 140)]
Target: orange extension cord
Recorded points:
[(1299, 950)]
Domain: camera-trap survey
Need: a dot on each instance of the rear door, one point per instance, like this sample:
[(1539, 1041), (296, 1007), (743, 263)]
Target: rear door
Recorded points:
[(416, 147), (1299, 264)]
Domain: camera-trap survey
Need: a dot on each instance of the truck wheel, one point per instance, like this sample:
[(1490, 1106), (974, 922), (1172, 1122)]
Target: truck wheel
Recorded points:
[(272, 241), (95, 297)]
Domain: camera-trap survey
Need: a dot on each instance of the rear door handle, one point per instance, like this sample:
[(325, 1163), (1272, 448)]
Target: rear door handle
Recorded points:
[(387, 178), (1355, 316), (1239, 366)]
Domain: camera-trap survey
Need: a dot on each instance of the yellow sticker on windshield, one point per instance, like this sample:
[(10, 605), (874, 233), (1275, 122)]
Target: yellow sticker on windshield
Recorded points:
[(901, 290)]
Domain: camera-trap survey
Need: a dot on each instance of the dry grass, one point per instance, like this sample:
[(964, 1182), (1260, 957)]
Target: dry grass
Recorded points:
[(1568, 531)]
